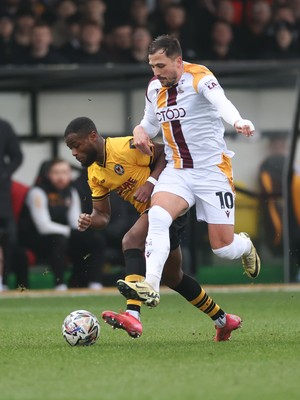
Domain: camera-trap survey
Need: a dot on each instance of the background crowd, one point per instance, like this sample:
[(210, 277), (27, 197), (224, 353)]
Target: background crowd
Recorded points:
[(119, 31)]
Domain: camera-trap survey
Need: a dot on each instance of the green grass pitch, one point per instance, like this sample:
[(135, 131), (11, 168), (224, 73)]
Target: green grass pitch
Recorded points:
[(175, 358)]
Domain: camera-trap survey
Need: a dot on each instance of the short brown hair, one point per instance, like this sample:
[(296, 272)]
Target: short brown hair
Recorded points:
[(170, 45)]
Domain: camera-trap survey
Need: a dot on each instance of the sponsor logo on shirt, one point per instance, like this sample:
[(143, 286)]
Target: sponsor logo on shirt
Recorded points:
[(171, 114), (212, 84), (126, 187)]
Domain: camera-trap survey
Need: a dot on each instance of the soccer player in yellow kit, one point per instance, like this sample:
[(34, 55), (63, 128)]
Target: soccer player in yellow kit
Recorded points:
[(114, 164)]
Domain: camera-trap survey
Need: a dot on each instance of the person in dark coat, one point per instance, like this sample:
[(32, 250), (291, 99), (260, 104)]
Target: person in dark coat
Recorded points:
[(11, 158)]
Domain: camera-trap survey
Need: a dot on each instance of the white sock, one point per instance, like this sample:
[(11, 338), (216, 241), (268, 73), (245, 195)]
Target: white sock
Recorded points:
[(1, 283), (239, 247), (221, 321), (134, 313), (157, 244)]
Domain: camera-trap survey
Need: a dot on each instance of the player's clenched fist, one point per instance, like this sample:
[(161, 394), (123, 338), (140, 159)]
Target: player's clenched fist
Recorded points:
[(245, 127), (84, 222)]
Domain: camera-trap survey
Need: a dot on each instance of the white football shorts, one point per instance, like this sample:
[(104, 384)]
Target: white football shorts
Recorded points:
[(209, 190)]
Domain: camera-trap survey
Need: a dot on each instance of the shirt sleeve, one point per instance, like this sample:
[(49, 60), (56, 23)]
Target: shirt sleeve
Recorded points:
[(98, 191), (37, 203), (74, 210), (150, 122), (214, 93)]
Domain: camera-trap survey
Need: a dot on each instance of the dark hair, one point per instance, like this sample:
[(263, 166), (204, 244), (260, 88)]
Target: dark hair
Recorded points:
[(170, 45), (44, 169), (81, 125)]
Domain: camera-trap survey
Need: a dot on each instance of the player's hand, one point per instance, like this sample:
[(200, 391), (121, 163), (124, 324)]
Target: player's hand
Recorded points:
[(143, 193), (142, 141), (84, 222), (245, 127)]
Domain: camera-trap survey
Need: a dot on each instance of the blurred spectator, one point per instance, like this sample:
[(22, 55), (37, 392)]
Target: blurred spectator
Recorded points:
[(20, 257), (295, 5), (284, 45), (24, 23), (7, 45), (41, 50), (37, 7), (271, 175), (270, 178), (255, 36), (141, 39), (120, 47), (10, 159), (177, 24), (225, 11), (284, 14), (63, 9), (72, 44), (222, 45), (294, 221), (156, 17), (117, 13), (91, 49), (202, 13), (139, 14), (48, 226), (10, 7), (94, 10)]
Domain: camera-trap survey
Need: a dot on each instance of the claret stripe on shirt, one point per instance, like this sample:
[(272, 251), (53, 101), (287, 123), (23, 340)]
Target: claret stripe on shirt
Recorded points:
[(187, 161)]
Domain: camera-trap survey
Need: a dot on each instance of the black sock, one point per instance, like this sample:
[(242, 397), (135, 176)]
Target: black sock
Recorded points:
[(190, 289)]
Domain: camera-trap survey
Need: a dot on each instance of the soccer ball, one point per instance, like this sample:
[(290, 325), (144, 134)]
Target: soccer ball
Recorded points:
[(81, 328)]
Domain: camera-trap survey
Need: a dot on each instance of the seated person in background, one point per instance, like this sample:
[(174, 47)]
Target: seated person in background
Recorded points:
[(270, 179), (40, 50), (90, 50), (48, 226)]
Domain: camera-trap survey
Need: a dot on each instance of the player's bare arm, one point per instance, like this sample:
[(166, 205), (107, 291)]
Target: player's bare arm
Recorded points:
[(142, 140), (144, 192), (99, 218)]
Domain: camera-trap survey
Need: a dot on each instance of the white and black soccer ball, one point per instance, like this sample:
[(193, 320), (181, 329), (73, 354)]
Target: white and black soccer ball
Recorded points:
[(81, 328)]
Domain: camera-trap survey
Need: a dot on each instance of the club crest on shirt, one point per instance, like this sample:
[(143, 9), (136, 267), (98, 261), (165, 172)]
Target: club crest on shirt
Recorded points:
[(119, 169)]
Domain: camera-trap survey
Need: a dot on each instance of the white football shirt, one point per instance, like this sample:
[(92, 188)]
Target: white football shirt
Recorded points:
[(189, 114)]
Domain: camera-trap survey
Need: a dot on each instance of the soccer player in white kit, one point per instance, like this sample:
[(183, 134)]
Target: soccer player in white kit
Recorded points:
[(187, 102)]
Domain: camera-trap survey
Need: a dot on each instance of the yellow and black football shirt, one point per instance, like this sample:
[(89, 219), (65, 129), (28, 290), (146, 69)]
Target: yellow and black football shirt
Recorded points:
[(124, 169)]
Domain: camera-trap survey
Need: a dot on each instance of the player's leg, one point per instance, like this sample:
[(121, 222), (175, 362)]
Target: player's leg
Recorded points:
[(133, 245), (174, 277), (215, 204), (226, 244), (171, 198)]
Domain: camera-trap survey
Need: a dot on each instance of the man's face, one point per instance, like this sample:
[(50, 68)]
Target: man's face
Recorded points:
[(83, 148), (167, 70), (41, 37)]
